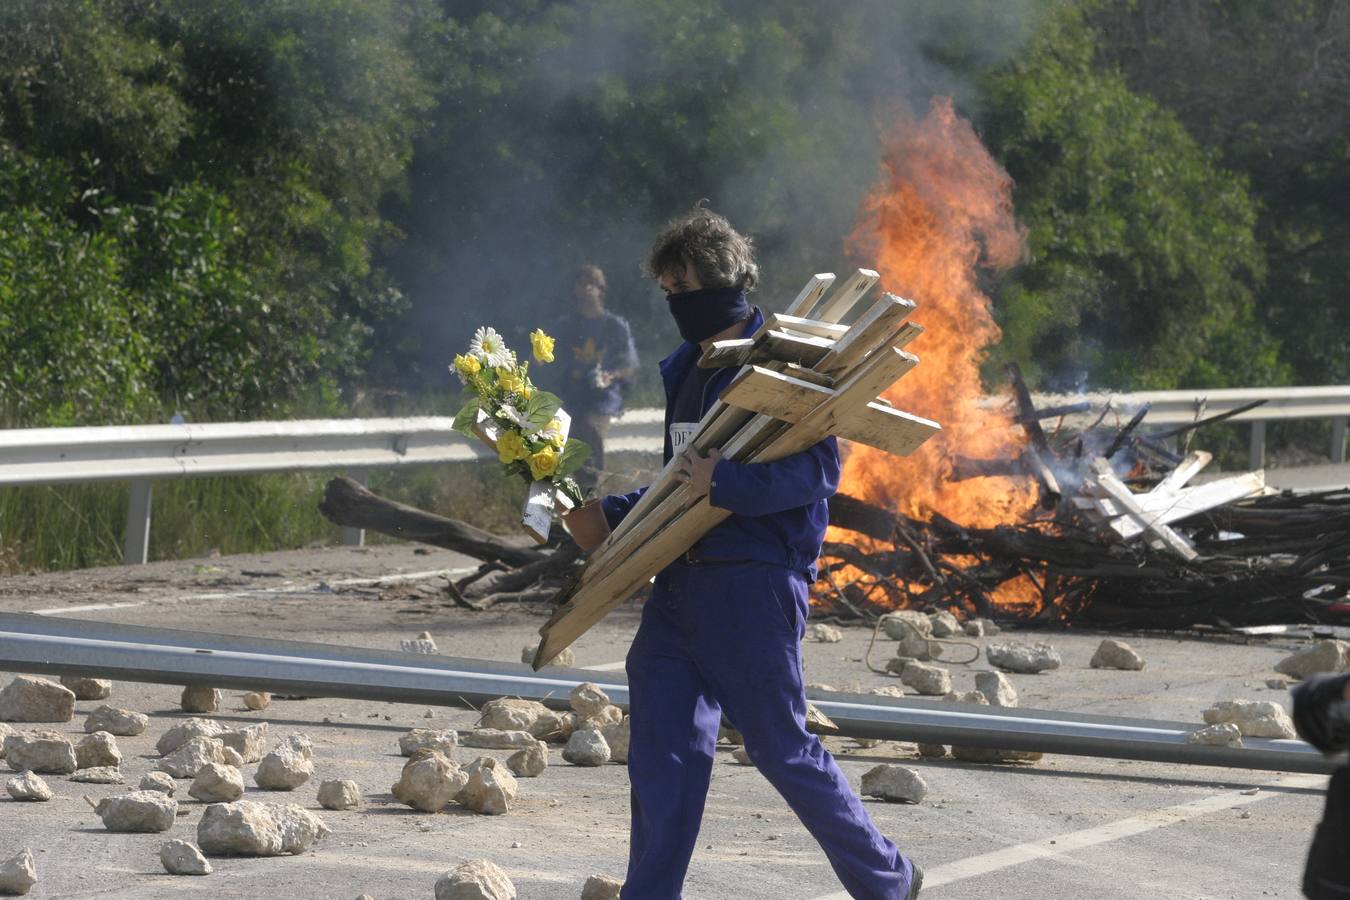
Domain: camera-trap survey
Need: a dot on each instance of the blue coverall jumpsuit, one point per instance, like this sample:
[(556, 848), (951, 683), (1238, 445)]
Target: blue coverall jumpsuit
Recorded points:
[(722, 633)]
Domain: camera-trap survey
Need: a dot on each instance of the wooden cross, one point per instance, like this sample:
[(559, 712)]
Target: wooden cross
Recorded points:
[(803, 378)]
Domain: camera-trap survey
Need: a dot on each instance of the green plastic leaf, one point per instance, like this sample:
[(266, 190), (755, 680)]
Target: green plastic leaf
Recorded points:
[(573, 457), (541, 407), (465, 419)]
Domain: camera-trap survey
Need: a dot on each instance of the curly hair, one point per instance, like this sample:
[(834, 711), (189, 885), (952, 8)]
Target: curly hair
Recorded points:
[(722, 256)]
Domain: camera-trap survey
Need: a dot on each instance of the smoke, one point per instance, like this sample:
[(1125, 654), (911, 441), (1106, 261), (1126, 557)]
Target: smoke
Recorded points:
[(616, 116)]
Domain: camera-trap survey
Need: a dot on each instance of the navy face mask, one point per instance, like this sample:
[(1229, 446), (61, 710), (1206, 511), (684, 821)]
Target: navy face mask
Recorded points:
[(703, 313)]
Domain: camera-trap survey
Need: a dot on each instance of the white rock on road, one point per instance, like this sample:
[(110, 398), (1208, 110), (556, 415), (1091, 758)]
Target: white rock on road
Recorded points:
[(87, 688), (256, 700), (945, 625), (249, 828), (491, 788), (28, 788), (119, 722), (216, 783), (477, 879), (925, 678), (284, 769), (616, 736), (158, 781), (495, 739), (5, 731), (893, 783), (565, 659), (429, 781), (249, 742), (44, 752), (183, 858), (185, 731), (1114, 654), (198, 699), (138, 811), (588, 699), (18, 873), (601, 887), (905, 622), (997, 688), (1024, 658), (586, 747), (1323, 656), (340, 795), (1254, 718), (99, 775), (29, 699), (820, 633), (442, 741), (530, 762), (187, 760), (97, 749), (1225, 734), (974, 697)]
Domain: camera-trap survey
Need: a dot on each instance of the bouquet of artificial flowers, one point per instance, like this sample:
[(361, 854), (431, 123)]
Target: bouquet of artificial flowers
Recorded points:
[(526, 426)]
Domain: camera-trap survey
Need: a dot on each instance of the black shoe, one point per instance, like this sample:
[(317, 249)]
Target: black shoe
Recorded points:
[(917, 883)]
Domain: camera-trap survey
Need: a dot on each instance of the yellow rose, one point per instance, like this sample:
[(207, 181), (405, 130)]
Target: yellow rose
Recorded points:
[(526, 390), (468, 366), (511, 447), (508, 380), (554, 435), (542, 345), (543, 463)]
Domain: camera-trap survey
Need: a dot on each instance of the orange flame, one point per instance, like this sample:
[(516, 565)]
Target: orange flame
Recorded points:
[(942, 211)]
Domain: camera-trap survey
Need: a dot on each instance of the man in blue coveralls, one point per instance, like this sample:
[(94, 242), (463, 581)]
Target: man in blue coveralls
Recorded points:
[(722, 631)]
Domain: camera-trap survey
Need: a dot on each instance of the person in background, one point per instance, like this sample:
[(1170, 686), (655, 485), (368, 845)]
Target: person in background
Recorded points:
[(1322, 717), (597, 361)]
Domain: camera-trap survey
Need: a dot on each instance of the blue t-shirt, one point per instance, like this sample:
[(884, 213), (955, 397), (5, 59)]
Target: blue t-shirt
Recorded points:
[(586, 347)]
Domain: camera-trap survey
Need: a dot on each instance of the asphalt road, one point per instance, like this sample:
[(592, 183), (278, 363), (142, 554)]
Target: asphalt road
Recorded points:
[(1066, 827)]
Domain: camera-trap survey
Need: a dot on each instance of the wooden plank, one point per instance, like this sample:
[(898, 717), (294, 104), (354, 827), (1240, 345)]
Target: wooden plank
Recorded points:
[(590, 602), (774, 394), (726, 354), (871, 331), (888, 429), (1124, 497), (843, 298), (1188, 469), (798, 325), (1173, 506), (767, 346), (811, 294), (876, 424)]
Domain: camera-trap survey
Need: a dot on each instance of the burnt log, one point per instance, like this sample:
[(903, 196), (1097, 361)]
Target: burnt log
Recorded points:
[(347, 503)]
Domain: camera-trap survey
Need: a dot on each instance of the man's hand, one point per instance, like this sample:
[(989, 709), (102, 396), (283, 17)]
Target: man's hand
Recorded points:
[(696, 471)]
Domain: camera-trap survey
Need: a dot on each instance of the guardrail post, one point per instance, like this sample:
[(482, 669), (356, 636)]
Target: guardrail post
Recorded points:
[(1338, 439), (356, 537), (136, 544), (1257, 457)]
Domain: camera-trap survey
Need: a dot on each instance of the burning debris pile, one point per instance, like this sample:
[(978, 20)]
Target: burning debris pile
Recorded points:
[(993, 517)]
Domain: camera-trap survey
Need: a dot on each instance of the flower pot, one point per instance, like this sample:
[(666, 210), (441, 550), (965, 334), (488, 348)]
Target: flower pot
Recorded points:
[(587, 525)]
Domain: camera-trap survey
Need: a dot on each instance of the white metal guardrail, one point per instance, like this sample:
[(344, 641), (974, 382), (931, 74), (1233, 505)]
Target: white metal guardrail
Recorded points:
[(146, 453)]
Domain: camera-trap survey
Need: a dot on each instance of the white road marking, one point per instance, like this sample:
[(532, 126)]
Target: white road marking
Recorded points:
[(606, 667), (287, 588), (1062, 844)]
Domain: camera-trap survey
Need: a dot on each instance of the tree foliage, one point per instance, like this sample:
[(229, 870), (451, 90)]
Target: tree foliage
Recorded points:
[(239, 206)]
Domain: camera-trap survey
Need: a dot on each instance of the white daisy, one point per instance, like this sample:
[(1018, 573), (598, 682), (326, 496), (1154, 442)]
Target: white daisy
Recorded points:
[(489, 347)]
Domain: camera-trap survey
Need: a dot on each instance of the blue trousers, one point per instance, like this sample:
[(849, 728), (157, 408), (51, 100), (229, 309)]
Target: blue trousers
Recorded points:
[(718, 638)]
